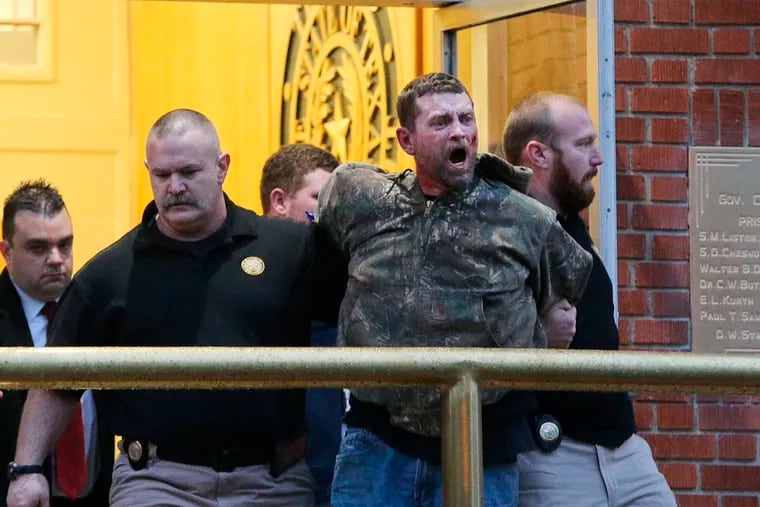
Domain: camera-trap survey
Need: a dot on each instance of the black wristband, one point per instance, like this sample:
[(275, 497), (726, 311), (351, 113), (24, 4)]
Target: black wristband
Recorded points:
[(14, 470)]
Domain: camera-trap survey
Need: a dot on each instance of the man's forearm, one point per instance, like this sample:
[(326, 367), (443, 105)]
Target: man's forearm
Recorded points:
[(45, 416)]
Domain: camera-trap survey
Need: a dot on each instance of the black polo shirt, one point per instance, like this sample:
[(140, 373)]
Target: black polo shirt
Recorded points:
[(600, 418), (252, 283)]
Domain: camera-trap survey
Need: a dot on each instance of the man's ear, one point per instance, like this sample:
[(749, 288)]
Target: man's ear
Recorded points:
[(535, 154), (404, 136), (223, 163), (279, 203), (5, 249)]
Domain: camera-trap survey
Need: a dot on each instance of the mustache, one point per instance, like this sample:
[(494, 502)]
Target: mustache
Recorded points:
[(177, 199)]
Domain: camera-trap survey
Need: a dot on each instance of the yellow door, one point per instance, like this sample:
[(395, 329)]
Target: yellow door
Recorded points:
[(64, 110)]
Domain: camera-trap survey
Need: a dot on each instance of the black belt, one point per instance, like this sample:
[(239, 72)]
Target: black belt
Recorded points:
[(223, 459), (280, 456)]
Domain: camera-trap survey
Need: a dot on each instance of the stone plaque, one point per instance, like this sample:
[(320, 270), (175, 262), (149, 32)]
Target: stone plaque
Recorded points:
[(724, 245)]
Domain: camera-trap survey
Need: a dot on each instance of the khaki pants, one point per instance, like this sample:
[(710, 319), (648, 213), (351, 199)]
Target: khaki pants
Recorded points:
[(585, 475), (167, 483)]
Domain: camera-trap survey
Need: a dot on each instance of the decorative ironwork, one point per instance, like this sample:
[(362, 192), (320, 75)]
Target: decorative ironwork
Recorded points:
[(339, 83)]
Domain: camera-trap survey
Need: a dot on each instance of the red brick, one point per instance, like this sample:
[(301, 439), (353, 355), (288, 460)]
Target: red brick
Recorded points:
[(753, 120), (704, 117), (622, 216), (696, 500), (629, 129), (659, 100), (727, 71), (717, 12), (621, 98), (737, 398), (679, 475), (730, 41), (671, 303), (740, 501), (730, 477), (632, 10), (660, 216), (731, 118), (708, 398), (729, 417), (667, 247), (670, 71), (632, 302), (663, 332), (631, 245), (669, 130), (660, 158), (669, 40), (668, 188), (671, 11), (644, 415), (624, 331), (622, 156), (624, 279), (621, 40), (675, 416), (682, 445), (738, 447), (664, 397), (631, 70), (662, 274), (631, 187)]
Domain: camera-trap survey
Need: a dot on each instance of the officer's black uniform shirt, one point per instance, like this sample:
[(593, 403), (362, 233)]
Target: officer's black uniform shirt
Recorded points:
[(250, 283), (598, 418)]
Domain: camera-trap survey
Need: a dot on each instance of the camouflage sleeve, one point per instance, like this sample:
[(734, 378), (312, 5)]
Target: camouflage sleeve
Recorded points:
[(348, 200), (327, 209), (563, 270)]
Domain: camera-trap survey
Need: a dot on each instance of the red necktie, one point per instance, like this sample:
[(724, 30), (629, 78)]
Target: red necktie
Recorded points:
[(70, 459), (48, 310)]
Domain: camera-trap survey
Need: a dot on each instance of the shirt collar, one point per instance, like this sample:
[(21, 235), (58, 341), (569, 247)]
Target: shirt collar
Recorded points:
[(235, 225)]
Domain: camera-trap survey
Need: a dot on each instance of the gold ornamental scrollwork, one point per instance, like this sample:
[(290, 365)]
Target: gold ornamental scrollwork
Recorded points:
[(339, 83)]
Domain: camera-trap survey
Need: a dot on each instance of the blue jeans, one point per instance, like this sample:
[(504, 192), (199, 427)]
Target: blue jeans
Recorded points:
[(324, 413), (370, 473)]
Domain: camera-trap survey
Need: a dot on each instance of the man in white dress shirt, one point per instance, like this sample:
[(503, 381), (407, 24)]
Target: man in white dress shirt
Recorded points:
[(37, 248)]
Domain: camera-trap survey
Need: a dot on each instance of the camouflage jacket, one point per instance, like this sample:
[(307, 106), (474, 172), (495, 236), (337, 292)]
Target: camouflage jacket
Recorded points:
[(463, 270)]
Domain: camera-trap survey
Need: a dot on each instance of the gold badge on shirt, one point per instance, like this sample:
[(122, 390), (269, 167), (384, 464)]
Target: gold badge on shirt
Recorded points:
[(253, 266)]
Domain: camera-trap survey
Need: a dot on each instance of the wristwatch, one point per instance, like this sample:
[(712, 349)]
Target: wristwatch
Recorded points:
[(14, 470)]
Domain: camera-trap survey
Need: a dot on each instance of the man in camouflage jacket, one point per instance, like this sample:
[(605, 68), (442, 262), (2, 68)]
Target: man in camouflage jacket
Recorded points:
[(451, 255)]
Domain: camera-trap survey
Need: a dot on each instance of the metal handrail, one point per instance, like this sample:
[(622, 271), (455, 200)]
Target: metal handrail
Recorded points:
[(457, 371)]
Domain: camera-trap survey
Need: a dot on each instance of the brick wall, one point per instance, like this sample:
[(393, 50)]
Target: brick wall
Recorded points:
[(687, 73)]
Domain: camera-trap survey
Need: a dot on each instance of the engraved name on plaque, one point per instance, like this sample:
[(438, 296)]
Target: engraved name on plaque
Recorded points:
[(724, 246)]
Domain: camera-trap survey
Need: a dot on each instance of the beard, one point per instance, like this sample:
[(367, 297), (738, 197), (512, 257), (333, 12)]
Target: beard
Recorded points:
[(454, 179), (572, 196)]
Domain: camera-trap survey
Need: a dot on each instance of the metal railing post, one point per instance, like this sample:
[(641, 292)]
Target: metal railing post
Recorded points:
[(462, 445)]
